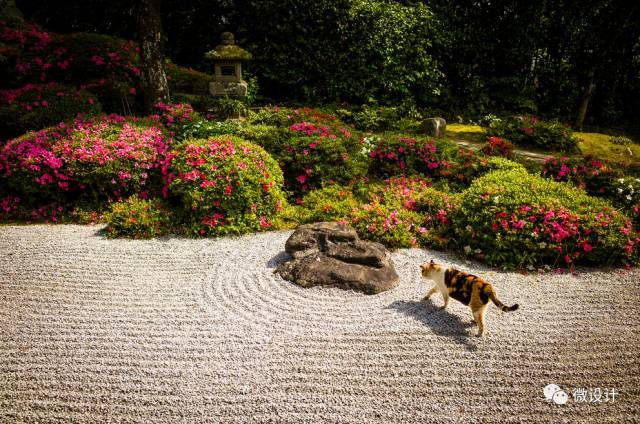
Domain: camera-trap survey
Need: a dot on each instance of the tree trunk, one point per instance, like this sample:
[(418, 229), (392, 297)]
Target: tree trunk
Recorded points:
[(9, 11), (154, 80), (584, 100)]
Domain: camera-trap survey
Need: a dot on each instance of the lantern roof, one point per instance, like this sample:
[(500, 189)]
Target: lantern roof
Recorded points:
[(227, 50)]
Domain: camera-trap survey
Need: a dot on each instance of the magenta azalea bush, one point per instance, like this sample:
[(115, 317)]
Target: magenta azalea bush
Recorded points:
[(224, 185), (405, 212), (313, 148), (37, 106), (513, 219), (97, 159), (593, 175), (175, 116), (395, 155)]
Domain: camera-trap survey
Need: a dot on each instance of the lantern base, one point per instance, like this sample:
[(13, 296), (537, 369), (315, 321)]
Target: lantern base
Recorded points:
[(228, 89)]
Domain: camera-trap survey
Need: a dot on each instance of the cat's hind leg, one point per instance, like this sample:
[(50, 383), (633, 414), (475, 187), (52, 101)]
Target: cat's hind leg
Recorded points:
[(478, 317)]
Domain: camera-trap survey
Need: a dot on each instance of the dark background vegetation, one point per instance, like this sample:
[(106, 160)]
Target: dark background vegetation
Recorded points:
[(451, 57)]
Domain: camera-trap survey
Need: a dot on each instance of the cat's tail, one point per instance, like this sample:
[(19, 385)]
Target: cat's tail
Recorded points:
[(502, 306)]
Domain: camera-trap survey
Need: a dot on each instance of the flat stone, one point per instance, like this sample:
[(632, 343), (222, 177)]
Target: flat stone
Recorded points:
[(331, 254)]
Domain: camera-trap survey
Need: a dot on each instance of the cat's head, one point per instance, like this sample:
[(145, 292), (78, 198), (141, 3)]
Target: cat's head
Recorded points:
[(430, 267)]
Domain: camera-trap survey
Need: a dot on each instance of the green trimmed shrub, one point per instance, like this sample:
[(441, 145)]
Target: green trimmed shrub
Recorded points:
[(513, 220), (137, 218), (37, 106), (187, 80), (532, 132), (332, 203), (224, 185)]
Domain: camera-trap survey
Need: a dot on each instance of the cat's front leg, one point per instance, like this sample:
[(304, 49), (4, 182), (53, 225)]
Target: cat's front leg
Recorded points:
[(431, 292)]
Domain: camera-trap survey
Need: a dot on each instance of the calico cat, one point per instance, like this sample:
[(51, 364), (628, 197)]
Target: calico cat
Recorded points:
[(468, 289)]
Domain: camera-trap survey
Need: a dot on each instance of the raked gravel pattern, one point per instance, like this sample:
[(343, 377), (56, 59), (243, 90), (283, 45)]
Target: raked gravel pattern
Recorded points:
[(185, 330)]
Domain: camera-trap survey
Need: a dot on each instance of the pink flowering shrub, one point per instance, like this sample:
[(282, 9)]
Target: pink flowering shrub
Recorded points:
[(138, 218), (175, 116), (36, 106), (405, 212), (530, 131), (497, 146), (95, 159), (313, 148), (516, 220), (36, 55), (397, 155), (224, 185), (592, 175)]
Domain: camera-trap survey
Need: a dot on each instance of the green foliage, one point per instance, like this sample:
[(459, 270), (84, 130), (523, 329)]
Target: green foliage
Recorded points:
[(226, 107), (187, 80), (225, 185), (332, 203), (529, 131), (337, 49), (138, 218), (33, 107), (401, 118), (513, 219)]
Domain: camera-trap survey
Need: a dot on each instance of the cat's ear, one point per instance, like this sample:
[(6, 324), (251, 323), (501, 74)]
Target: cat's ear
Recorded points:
[(432, 261)]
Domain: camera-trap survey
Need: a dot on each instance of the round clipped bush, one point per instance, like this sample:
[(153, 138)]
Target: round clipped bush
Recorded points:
[(97, 159), (513, 219), (37, 106), (225, 185), (137, 218)]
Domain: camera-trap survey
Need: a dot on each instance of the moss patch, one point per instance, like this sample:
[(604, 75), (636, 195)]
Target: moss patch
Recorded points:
[(599, 146)]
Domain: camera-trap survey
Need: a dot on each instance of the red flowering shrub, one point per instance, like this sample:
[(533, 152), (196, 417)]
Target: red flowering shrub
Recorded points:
[(225, 185), (513, 219), (397, 155), (530, 131), (94, 159), (137, 218), (497, 146), (36, 106)]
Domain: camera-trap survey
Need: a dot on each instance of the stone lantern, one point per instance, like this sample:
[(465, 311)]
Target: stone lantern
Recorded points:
[(227, 60)]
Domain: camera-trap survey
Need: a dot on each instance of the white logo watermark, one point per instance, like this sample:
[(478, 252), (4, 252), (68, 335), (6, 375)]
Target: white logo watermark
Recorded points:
[(554, 393)]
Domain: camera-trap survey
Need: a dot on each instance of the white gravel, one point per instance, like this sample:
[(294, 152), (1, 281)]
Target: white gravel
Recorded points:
[(186, 330)]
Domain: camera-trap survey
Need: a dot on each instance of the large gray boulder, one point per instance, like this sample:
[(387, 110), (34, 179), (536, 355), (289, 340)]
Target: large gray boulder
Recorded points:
[(434, 127), (331, 254)]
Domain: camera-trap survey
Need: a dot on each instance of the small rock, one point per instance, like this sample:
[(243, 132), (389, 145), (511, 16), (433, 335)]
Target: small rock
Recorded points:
[(434, 127)]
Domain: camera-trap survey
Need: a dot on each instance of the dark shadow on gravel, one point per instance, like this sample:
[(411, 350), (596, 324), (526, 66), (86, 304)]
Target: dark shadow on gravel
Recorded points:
[(278, 259), (442, 323)]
